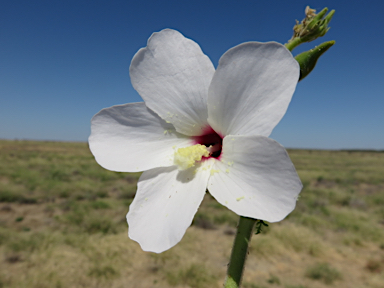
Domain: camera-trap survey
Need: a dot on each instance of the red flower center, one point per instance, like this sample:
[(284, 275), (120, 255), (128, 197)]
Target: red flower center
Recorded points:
[(212, 141)]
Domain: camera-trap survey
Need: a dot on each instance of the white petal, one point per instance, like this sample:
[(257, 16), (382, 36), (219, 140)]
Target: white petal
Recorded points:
[(172, 75), (131, 138), (251, 89), (255, 178), (164, 206)]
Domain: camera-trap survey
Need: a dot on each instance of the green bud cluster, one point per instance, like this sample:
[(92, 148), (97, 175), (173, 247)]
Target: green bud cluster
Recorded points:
[(312, 27)]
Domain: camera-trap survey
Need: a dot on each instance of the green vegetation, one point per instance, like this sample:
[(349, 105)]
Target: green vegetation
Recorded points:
[(323, 272), (62, 224), (195, 276)]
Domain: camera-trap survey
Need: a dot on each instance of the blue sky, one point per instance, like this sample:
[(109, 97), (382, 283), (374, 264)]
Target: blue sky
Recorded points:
[(63, 61)]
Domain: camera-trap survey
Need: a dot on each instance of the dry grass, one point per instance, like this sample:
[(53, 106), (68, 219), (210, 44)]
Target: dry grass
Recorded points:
[(62, 224)]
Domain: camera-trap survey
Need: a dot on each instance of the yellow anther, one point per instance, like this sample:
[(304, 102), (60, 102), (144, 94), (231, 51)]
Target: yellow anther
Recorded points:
[(187, 157)]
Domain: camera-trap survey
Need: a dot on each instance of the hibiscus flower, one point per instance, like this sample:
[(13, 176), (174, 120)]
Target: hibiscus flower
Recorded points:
[(200, 129)]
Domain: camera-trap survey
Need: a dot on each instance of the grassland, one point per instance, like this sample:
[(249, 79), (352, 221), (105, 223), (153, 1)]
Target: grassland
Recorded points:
[(62, 224)]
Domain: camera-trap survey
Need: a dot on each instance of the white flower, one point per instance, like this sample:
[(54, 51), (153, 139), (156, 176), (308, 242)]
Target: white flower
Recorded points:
[(230, 112)]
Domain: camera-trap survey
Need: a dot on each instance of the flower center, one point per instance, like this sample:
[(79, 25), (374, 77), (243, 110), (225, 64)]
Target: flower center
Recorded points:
[(212, 141), (207, 145)]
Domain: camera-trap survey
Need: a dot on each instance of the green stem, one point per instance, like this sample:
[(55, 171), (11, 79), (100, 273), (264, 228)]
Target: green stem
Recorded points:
[(292, 44), (239, 252)]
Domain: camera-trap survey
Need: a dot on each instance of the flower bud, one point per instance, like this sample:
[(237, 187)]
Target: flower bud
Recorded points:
[(308, 59), (313, 26)]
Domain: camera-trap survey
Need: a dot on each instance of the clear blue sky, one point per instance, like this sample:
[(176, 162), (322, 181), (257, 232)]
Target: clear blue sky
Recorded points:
[(63, 61)]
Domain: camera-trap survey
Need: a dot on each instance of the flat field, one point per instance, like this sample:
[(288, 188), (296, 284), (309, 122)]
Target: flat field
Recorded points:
[(62, 224)]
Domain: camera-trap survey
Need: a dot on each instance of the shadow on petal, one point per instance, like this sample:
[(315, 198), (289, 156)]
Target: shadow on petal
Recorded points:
[(189, 174)]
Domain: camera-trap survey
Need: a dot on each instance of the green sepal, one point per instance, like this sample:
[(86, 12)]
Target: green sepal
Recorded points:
[(308, 59)]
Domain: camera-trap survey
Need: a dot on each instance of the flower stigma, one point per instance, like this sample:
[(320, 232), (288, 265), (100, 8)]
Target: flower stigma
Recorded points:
[(187, 157)]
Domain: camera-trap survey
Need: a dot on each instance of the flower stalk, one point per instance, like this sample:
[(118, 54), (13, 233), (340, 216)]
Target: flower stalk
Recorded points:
[(239, 252)]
